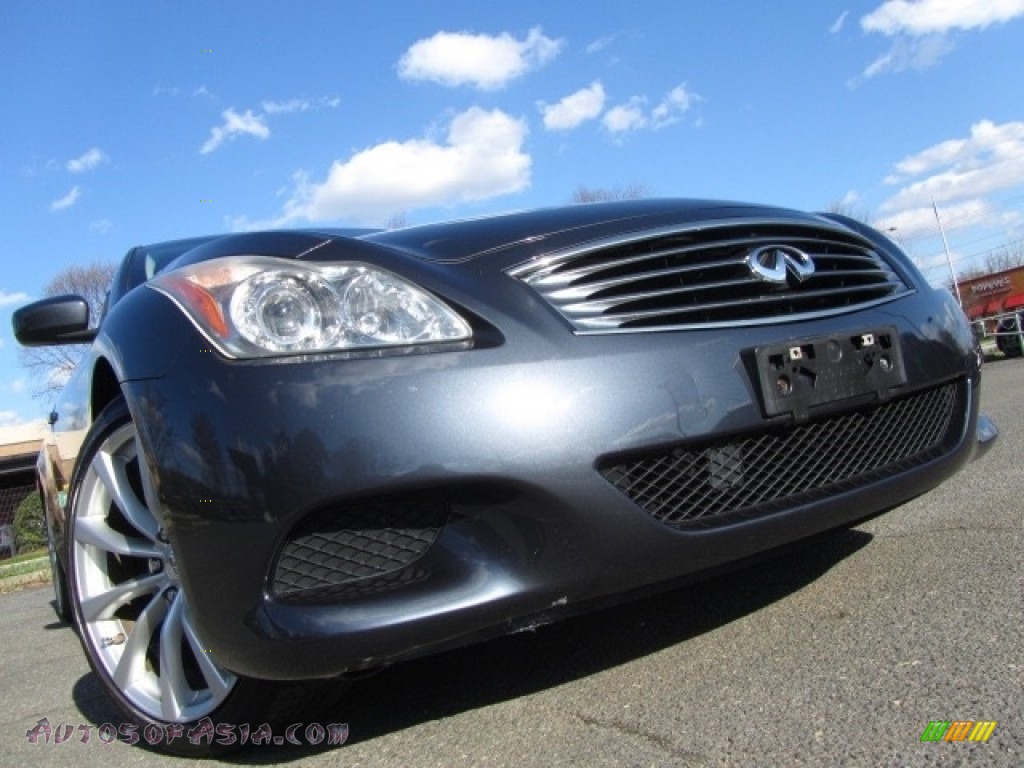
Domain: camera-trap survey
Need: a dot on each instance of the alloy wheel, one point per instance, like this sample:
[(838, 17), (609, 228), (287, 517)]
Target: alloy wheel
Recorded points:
[(129, 601)]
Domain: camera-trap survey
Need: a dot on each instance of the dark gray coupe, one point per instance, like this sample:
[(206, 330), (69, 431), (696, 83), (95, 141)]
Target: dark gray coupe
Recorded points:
[(303, 455)]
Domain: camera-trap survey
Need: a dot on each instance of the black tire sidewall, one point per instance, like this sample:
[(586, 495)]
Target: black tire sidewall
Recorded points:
[(61, 598)]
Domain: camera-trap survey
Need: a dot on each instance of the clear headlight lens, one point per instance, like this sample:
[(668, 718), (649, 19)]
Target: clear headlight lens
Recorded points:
[(259, 306), (282, 312)]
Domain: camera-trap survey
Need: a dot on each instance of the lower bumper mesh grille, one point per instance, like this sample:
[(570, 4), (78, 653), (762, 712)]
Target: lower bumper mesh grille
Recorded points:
[(693, 486), (348, 551)]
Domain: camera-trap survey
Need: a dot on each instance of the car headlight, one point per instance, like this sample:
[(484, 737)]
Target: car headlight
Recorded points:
[(257, 306)]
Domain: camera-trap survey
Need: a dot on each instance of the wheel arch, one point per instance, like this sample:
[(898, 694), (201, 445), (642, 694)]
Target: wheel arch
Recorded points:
[(105, 386)]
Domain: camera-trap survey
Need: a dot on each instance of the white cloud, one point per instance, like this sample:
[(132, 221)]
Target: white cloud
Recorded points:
[(285, 106), (87, 161), (910, 223), (12, 298), (920, 221), (600, 44), (173, 90), (921, 18), (291, 105), (673, 106), (957, 174), (483, 157), (576, 108), (626, 117), (850, 199), (101, 226), (837, 25), (483, 61), (910, 53), (989, 160), (633, 115), (235, 125), (921, 29), (67, 201), (18, 386)]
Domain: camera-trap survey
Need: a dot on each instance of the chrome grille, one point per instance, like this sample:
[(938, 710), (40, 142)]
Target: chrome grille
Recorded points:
[(692, 486), (700, 277)]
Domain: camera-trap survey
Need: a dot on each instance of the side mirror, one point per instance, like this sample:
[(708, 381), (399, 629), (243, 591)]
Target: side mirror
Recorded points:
[(53, 321)]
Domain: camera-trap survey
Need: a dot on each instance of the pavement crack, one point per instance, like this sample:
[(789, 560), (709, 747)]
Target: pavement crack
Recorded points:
[(654, 739)]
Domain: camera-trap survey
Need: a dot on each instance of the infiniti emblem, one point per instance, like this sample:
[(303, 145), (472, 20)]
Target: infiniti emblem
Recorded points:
[(771, 263)]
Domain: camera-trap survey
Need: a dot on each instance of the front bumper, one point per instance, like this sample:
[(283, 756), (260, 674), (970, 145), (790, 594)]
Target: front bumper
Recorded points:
[(509, 439)]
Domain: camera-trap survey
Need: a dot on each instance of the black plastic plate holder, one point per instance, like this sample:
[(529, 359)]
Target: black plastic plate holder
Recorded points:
[(802, 374)]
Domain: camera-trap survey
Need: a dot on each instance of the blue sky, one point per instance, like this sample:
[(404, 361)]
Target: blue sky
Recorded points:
[(134, 122)]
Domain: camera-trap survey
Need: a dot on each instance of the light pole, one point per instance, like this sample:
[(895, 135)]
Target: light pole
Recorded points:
[(949, 259)]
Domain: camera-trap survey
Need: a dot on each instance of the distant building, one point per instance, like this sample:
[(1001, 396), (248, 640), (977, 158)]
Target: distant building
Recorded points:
[(19, 447), (993, 294)]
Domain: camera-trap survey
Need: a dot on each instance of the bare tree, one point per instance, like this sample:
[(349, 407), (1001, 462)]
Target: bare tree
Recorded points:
[(1005, 257), (632, 191), (999, 259), (854, 211), (50, 367), (397, 220), (969, 273)]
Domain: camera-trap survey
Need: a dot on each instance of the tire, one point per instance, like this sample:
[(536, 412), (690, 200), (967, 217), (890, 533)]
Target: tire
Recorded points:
[(1009, 345), (131, 611), (61, 603)]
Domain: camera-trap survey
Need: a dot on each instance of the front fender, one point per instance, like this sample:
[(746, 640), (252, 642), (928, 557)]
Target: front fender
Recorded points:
[(143, 336)]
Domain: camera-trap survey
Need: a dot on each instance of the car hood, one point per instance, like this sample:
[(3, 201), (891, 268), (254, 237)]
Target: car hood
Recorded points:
[(544, 230), (500, 241)]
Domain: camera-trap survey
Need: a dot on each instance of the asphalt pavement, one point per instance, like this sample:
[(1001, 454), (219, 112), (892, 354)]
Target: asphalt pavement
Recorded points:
[(839, 653)]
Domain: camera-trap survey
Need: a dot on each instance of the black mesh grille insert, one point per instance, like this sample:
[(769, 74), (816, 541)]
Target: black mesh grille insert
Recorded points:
[(692, 486), (337, 547)]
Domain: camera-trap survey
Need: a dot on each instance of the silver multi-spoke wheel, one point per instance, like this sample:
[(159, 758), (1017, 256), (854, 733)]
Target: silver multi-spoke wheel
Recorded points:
[(129, 603)]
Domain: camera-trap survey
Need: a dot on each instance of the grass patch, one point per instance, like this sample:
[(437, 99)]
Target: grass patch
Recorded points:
[(25, 570), (30, 555), (9, 570)]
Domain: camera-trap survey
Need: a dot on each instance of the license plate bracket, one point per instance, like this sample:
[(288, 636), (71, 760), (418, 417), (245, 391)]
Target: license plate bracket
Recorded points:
[(802, 374)]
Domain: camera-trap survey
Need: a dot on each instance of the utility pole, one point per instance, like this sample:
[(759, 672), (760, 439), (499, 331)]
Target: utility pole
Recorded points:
[(949, 259)]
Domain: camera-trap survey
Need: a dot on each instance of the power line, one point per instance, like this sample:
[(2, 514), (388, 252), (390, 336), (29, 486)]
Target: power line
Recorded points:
[(1009, 244), (966, 219)]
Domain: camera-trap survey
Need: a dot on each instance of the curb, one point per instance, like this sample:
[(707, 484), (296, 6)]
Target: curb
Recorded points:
[(40, 575), (41, 560)]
